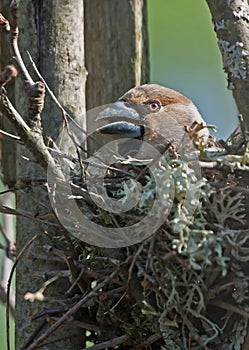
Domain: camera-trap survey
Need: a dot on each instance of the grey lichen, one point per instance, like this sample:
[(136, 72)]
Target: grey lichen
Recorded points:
[(219, 25), (186, 286), (241, 13), (238, 335), (233, 58), (230, 85)]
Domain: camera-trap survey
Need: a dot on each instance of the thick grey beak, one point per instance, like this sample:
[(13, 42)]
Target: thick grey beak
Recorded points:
[(123, 121)]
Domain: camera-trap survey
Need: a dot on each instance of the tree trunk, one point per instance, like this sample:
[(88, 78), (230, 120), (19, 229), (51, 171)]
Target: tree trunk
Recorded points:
[(53, 33), (231, 25), (116, 48)]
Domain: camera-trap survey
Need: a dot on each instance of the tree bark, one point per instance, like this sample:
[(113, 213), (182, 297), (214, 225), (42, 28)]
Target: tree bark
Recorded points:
[(116, 51), (231, 20), (53, 34), (8, 147), (116, 48), (59, 55)]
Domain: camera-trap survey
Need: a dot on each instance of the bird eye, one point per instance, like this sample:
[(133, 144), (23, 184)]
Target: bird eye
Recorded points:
[(153, 105)]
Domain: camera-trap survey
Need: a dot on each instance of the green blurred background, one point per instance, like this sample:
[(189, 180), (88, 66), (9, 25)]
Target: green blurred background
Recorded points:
[(184, 56)]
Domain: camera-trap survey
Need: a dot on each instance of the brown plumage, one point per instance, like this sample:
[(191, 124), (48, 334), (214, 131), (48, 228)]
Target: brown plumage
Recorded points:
[(152, 113)]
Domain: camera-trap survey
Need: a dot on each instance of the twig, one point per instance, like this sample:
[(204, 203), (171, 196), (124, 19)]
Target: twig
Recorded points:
[(243, 128), (76, 276), (30, 134), (3, 298), (15, 53), (154, 337), (229, 307), (35, 333), (17, 212), (5, 133), (153, 162), (70, 312), (33, 141), (9, 285), (39, 294), (10, 249), (35, 90), (46, 85), (52, 343), (109, 343)]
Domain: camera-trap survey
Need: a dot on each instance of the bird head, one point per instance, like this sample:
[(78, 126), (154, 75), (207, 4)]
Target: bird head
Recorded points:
[(152, 113)]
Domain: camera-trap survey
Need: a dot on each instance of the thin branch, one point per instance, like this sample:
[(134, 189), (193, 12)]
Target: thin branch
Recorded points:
[(229, 307), (12, 32), (109, 343), (46, 219), (5, 133), (35, 90), (3, 298), (9, 285), (10, 249), (33, 141), (70, 312)]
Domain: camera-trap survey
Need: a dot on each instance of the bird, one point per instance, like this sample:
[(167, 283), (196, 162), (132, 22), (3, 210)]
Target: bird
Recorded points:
[(154, 114)]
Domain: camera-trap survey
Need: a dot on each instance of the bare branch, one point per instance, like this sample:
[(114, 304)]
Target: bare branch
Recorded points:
[(110, 343), (12, 32), (9, 284), (5, 133), (35, 90), (33, 141), (229, 307), (71, 311)]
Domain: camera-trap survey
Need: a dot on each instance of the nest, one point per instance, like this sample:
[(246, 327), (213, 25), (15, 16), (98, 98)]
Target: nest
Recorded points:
[(183, 285)]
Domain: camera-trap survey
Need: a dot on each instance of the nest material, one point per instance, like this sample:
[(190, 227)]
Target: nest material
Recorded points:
[(184, 287)]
